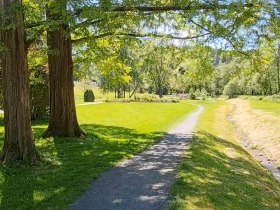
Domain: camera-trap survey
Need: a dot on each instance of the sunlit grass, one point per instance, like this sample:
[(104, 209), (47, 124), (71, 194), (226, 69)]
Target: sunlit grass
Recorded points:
[(114, 132), (218, 174), (271, 107), (260, 127), (98, 93)]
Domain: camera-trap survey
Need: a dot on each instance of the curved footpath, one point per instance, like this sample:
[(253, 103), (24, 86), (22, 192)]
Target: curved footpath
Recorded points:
[(144, 181)]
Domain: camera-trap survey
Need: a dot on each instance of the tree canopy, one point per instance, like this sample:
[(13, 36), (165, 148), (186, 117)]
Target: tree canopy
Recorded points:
[(161, 46)]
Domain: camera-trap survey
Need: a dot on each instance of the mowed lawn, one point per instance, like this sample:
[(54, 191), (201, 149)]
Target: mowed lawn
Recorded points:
[(114, 132), (271, 107), (217, 173)]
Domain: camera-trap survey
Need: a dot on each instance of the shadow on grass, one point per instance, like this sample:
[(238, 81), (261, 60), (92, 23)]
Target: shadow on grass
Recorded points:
[(69, 166), (221, 175)]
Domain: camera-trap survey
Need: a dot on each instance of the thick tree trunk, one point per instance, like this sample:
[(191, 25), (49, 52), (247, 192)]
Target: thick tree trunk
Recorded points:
[(63, 119), (1, 85), (18, 143), (278, 68)]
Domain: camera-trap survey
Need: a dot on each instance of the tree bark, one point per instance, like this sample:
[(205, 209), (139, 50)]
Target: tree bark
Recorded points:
[(160, 91), (63, 118), (18, 142), (278, 67)]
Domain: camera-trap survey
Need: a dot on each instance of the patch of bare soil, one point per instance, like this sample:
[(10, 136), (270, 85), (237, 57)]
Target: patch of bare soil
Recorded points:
[(260, 133)]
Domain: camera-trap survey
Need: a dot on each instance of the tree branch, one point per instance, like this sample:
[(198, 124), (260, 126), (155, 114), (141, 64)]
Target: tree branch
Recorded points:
[(173, 8), (75, 41), (28, 42), (152, 9), (222, 36)]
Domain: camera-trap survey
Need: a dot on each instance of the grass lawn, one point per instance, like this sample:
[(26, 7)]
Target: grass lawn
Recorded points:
[(218, 174), (99, 95), (114, 132), (272, 107)]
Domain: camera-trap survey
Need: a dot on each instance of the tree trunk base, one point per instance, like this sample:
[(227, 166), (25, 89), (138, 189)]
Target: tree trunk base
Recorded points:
[(10, 157), (51, 132)]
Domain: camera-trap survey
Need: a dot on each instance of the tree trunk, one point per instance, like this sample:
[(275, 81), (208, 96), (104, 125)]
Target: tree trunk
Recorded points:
[(63, 119), (1, 85), (18, 143), (160, 90), (278, 68)]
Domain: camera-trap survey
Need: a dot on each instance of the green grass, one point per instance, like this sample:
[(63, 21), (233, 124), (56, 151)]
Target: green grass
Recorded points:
[(99, 95), (114, 132), (218, 174), (271, 107)]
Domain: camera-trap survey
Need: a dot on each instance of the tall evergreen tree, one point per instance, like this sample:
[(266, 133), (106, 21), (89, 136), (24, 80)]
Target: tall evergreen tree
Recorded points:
[(18, 143)]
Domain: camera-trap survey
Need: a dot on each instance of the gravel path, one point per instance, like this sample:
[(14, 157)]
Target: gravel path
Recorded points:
[(144, 181), (90, 103)]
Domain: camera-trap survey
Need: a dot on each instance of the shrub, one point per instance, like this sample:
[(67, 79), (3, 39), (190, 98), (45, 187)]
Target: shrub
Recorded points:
[(39, 93), (204, 93), (191, 90), (89, 96), (231, 89), (192, 96), (197, 93), (147, 98)]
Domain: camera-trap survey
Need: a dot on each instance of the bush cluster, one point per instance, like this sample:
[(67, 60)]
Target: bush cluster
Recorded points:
[(89, 96), (198, 94), (147, 98)]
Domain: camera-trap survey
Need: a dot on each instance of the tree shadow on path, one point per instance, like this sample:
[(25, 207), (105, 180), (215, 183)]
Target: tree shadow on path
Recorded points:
[(69, 166)]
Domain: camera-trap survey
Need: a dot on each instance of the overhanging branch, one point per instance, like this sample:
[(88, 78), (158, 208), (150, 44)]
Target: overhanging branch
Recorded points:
[(222, 36), (188, 7), (75, 41), (173, 8)]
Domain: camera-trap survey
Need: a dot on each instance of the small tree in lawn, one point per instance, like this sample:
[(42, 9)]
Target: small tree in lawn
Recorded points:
[(89, 96)]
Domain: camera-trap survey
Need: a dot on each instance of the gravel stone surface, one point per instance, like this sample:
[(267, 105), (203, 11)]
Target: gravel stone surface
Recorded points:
[(144, 181)]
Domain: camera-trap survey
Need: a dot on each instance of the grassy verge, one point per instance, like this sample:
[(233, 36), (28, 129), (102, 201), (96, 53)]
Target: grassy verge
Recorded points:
[(218, 174), (271, 107), (114, 132), (99, 95)]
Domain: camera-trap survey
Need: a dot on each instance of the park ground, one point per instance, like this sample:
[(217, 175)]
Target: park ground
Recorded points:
[(217, 172)]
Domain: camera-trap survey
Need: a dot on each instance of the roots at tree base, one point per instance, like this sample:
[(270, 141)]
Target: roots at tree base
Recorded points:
[(10, 156), (52, 132)]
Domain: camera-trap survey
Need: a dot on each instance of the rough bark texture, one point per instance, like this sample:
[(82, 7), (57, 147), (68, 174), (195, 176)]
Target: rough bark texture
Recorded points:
[(278, 67), (18, 143), (1, 85), (63, 119)]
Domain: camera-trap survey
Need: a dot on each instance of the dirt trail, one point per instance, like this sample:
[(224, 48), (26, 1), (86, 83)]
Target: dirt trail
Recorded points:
[(144, 181), (260, 133)]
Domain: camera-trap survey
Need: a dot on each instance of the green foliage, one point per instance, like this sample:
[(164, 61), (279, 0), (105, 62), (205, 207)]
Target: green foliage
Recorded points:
[(231, 89), (89, 96), (162, 64), (39, 93), (204, 93), (192, 96), (147, 98), (197, 93)]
